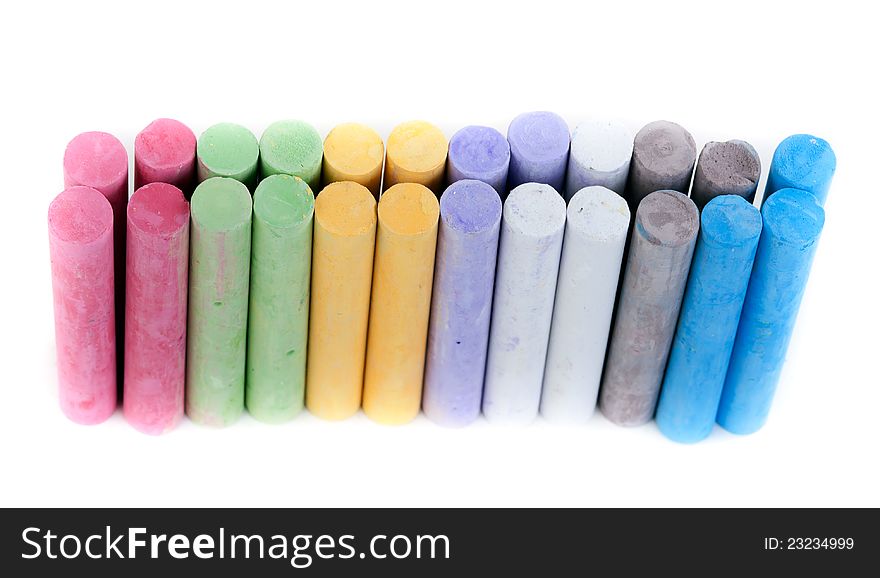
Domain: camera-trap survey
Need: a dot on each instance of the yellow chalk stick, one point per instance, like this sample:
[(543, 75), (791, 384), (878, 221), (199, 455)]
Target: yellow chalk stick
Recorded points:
[(403, 273), (354, 152), (416, 154), (342, 270)]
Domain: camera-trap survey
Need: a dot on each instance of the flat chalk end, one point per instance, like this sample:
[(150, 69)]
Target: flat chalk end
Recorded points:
[(730, 221), (158, 208), (80, 215), (598, 213), (221, 204), (535, 210), (793, 217), (539, 136), (409, 209), (470, 206), (283, 201), (667, 218), (346, 208), (97, 160)]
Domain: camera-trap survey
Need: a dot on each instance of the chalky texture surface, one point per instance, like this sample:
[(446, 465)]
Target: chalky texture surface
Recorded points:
[(539, 143), (480, 153), (663, 158), (726, 168), (354, 152), (461, 306), (157, 266), (81, 253), (662, 245), (165, 152), (533, 221), (292, 147), (219, 273), (600, 156), (416, 154), (278, 312), (719, 276), (228, 150), (793, 221), (805, 162)]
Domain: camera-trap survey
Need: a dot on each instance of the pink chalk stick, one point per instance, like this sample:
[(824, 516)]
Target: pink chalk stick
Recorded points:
[(98, 160), (81, 251), (157, 266), (165, 152)]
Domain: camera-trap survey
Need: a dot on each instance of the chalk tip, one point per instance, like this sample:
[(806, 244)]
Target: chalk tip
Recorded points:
[(470, 206), (793, 217), (534, 210), (221, 203), (409, 209), (346, 208), (95, 159), (158, 208), (283, 201), (598, 213), (80, 215), (730, 221), (667, 218)]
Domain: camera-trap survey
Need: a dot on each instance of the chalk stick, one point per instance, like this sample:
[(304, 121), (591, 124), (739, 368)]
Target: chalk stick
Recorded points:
[(595, 235), (292, 147), (730, 227), (663, 158), (461, 305), (661, 247), (402, 277), (228, 150), (539, 143), (278, 311), (480, 153), (157, 266), (342, 273), (416, 153), (165, 152), (600, 156), (354, 152), (98, 160), (805, 162), (726, 168), (533, 221), (219, 271), (793, 222), (81, 251)]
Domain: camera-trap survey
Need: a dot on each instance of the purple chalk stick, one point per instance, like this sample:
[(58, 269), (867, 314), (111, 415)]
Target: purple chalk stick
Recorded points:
[(464, 280), (539, 143), (480, 153)]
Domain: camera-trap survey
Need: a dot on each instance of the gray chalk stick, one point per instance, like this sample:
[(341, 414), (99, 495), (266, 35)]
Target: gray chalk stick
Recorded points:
[(662, 245), (726, 168), (663, 158)]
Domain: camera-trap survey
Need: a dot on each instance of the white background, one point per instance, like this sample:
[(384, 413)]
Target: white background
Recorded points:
[(755, 71)]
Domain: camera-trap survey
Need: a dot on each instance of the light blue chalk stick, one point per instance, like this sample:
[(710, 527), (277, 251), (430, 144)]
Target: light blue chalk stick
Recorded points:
[(804, 162), (730, 228), (793, 221)]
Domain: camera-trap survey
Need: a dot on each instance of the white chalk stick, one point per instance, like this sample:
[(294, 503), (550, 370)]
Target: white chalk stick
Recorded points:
[(600, 155), (595, 234), (533, 221)]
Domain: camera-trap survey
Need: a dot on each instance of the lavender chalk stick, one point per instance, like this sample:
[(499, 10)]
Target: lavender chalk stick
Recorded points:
[(660, 254), (595, 234), (600, 156), (461, 305), (663, 158), (726, 168), (533, 221), (481, 153), (539, 143)]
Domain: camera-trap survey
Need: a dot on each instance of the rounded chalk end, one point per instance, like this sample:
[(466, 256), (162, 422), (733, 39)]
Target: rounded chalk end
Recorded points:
[(80, 215), (478, 151), (97, 160), (667, 218), (793, 217), (291, 147), (165, 144), (535, 210), (283, 201), (470, 206), (730, 221), (354, 150), (346, 208), (158, 208), (665, 148), (601, 146), (409, 209), (803, 161), (221, 204), (227, 150), (540, 136), (417, 146), (598, 213)]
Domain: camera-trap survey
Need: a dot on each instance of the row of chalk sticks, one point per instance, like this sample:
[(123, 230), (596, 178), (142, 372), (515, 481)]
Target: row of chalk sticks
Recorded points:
[(557, 271)]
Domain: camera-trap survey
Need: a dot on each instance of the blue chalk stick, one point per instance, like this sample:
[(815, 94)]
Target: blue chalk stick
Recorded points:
[(804, 162), (730, 228), (793, 221)]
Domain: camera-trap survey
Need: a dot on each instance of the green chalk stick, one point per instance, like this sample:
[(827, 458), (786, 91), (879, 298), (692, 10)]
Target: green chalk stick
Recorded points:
[(219, 273), (292, 147), (278, 319), (228, 150)]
